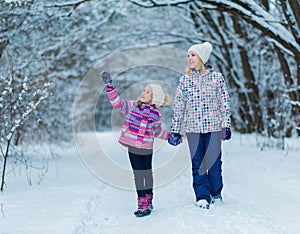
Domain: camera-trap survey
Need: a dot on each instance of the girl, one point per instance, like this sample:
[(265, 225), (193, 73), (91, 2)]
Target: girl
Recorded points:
[(142, 122), (201, 109)]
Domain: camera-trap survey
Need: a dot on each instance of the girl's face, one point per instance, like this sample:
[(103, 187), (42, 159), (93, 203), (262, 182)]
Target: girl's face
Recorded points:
[(146, 95), (194, 62)]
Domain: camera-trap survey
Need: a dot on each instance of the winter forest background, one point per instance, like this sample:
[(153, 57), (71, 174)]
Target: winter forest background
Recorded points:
[(47, 47)]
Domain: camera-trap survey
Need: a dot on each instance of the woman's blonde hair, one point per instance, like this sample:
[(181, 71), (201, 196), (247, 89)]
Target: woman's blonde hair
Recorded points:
[(188, 70)]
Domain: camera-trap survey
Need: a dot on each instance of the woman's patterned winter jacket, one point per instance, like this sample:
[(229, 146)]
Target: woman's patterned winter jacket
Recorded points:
[(201, 103), (140, 125)]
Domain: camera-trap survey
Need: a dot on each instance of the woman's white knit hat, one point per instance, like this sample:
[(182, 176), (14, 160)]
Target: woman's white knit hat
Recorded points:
[(158, 95), (202, 50)]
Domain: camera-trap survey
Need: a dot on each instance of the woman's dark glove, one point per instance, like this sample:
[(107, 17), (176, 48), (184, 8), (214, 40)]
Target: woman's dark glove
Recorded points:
[(174, 139), (226, 134)]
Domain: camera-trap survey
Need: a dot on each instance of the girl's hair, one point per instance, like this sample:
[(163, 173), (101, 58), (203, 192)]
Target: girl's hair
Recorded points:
[(167, 100)]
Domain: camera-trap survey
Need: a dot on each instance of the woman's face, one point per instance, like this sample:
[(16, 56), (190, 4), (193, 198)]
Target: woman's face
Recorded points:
[(194, 62), (146, 95)]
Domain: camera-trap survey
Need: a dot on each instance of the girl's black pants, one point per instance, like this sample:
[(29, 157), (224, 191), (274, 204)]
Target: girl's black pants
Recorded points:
[(141, 164)]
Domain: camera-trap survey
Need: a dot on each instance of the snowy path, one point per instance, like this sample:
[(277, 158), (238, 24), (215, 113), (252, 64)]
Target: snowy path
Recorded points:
[(260, 196)]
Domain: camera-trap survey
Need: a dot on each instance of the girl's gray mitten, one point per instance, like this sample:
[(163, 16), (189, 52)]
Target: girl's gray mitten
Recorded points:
[(106, 77)]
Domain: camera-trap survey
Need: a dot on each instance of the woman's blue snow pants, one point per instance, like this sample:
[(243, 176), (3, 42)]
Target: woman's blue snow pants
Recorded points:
[(205, 152)]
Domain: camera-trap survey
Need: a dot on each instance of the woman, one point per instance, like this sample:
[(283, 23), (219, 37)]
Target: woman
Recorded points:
[(202, 111)]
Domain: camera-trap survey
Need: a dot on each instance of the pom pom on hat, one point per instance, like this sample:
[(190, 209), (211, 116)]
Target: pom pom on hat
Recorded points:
[(202, 50), (158, 95)]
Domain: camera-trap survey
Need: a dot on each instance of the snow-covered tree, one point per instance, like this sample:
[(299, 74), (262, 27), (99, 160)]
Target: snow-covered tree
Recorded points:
[(19, 98), (244, 33), (255, 47)]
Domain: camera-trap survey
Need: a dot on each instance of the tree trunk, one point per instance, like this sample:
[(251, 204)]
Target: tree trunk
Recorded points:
[(256, 122), (5, 157), (266, 4), (290, 89), (295, 6)]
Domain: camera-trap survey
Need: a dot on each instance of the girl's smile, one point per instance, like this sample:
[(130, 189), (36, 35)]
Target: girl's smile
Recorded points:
[(146, 95)]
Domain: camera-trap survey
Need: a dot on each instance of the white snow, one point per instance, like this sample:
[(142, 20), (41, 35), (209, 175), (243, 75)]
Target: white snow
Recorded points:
[(261, 195)]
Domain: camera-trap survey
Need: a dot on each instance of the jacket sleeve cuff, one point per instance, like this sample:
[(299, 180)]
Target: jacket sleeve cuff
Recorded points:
[(110, 88)]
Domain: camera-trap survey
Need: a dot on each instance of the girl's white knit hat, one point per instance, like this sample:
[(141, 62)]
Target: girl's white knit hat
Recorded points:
[(158, 95), (202, 50)]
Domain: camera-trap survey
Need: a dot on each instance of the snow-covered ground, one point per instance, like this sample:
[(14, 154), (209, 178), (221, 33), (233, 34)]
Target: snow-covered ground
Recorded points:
[(261, 195)]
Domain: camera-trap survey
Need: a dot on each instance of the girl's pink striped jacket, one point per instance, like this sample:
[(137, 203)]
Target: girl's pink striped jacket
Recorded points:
[(140, 125)]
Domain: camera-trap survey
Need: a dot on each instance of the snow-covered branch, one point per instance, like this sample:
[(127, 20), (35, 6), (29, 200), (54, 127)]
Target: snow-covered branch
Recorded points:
[(153, 3), (31, 106), (247, 10), (67, 4)]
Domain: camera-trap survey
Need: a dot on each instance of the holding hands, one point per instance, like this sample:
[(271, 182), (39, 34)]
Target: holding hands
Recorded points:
[(226, 134), (174, 139)]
